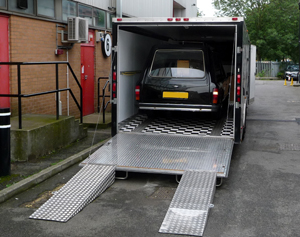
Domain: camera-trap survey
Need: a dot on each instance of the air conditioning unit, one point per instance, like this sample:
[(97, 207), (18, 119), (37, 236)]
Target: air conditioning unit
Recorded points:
[(78, 29)]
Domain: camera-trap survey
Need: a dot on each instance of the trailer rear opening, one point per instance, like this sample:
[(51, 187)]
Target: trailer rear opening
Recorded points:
[(133, 40)]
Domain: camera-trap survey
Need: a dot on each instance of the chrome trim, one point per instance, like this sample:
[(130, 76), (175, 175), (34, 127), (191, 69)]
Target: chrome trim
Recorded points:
[(174, 105), (176, 109)]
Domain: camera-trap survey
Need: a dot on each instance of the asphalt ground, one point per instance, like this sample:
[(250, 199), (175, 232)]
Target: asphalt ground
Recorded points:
[(259, 198)]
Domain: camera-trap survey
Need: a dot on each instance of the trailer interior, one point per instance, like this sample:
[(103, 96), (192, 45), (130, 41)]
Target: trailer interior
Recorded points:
[(134, 44)]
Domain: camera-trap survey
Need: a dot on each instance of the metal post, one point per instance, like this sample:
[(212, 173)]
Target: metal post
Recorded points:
[(5, 141), (57, 93), (119, 8), (19, 97), (103, 104), (98, 95)]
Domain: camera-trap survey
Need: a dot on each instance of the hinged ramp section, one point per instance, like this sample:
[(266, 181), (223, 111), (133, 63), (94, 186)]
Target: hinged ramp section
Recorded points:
[(188, 211), (165, 154), (83, 188)]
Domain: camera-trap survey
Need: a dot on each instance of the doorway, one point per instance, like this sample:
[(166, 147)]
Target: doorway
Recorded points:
[(4, 57), (88, 74)]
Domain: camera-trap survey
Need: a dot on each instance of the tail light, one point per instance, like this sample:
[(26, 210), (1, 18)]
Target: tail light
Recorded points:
[(238, 91), (238, 88), (215, 95), (137, 93), (114, 84)]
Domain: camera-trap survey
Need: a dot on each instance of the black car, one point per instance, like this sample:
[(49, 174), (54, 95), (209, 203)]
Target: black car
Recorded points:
[(291, 72), (183, 78)]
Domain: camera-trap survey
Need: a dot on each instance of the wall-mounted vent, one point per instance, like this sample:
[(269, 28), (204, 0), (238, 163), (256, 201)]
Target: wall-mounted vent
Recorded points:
[(78, 29)]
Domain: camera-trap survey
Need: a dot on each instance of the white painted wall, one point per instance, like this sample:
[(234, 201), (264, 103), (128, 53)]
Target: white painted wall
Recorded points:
[(148, 8)]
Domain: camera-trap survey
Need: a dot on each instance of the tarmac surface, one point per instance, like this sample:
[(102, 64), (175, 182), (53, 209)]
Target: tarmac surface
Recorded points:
[(259, 198)]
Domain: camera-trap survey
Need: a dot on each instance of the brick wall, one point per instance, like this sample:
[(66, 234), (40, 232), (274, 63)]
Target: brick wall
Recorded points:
[(102, 69), (34, 40)]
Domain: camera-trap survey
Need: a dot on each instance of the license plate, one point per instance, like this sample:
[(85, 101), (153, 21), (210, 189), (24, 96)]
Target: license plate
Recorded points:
[(176, 95)]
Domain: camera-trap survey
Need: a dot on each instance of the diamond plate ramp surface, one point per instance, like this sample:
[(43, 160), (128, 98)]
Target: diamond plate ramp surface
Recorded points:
[(83, 188), (188, 211), (166, 154)]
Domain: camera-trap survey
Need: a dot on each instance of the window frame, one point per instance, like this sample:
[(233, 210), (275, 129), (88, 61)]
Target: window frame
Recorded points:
[(22, 12), (105, 18), (62, 12), (41, 15), (78, 5), (6, 5)]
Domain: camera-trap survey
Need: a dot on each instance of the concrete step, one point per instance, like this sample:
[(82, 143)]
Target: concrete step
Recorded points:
[(42, 134), (96, 120)]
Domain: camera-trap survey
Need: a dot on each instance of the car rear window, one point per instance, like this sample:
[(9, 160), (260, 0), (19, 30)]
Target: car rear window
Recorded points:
[(178, 63)]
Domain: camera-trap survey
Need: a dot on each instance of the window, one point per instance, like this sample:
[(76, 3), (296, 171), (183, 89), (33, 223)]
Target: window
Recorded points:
[(2, 3), (45, 8), (99, 18), (13, 6), (85, 12), (69, 9), (178, 64), (109, 20)]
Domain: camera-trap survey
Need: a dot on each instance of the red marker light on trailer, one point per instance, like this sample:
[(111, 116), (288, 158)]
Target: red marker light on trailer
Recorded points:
[(215, 95), (178, 19), (235, 18), (114, 87), (119, 19), (137, 92), (238, 79), (186, 19), (170, 19), (114, 76), (238, 90)]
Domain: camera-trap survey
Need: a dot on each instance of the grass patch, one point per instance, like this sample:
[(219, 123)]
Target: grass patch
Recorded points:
[(4, 179)]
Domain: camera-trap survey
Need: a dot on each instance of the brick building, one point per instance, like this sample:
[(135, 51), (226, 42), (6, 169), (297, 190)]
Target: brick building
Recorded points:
[(31, 30)]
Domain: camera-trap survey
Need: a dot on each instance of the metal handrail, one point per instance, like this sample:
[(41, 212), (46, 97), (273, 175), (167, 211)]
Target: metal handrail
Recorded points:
[(104, 106), (57, 90)]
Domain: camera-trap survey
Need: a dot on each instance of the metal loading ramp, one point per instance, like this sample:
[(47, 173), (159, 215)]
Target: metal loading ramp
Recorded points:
[(188, 211), (165, 154), (83, 188)]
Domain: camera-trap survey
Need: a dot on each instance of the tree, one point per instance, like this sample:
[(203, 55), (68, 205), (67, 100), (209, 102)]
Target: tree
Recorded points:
[(238, 7), (200, 13), (272, 25)]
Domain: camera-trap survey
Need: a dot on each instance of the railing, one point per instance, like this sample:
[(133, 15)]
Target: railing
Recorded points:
[(57, 90), (104, 106)]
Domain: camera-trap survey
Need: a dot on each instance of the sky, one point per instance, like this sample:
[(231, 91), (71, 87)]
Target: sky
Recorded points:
[(206, 7)]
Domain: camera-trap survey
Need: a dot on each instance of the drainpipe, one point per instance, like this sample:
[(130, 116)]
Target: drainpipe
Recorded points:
[(68, 101), (119, 8)]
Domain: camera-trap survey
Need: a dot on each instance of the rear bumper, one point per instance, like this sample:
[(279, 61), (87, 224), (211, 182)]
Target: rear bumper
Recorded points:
[(179, 107)]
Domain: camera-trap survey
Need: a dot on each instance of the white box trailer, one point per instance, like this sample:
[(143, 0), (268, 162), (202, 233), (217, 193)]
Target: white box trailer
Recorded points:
[(198, 149), (133, 39)]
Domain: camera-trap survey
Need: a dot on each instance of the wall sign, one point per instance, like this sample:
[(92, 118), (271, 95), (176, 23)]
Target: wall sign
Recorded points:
[(106, 45)]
